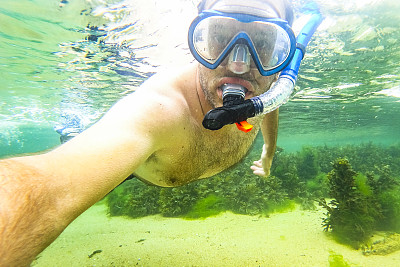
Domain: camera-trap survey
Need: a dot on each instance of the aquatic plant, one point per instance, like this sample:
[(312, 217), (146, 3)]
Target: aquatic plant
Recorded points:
[(116, 202), (318, 186), (141, 203), (205, 207), (385, 180), (364, 158), (285, 169), (390, 204), (387, 190), (177, 201), (342, 185), (352, 214), (246, 193), (300, 176), (337, 260), (307, 166)]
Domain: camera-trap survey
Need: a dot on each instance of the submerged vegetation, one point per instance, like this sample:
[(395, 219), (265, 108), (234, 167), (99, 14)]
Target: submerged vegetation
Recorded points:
[(353, 213), (361, 205), (337, 260), (361, 183)]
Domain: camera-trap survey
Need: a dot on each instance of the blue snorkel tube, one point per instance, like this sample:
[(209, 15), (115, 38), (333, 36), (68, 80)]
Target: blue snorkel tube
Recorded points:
[(281, 91), (238, 111)]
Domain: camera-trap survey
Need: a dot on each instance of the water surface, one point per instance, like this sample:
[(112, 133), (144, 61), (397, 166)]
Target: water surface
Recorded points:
[(80, 57)]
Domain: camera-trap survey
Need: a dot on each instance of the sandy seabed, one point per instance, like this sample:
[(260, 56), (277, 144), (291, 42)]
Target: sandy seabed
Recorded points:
[(286, 239)]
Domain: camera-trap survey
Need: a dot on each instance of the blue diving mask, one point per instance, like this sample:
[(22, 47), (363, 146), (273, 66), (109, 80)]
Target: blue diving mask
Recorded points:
[(213, 35)]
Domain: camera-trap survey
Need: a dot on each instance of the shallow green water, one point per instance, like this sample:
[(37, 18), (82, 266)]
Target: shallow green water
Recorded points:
[(82, 56)]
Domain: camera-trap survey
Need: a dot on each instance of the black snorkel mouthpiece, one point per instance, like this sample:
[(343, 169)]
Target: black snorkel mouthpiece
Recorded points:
[(234, 110)]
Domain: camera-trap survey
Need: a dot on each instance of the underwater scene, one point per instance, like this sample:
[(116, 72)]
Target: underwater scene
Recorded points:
[(333, 196)]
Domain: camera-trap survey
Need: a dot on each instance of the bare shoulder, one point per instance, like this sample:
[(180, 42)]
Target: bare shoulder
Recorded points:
[(160, 104)]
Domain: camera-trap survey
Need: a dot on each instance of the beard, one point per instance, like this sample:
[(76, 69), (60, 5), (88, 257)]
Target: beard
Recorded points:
[(208, 80), (210, 96)]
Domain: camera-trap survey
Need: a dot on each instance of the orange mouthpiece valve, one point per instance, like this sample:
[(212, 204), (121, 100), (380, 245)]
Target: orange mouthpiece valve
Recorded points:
[(244, 126)]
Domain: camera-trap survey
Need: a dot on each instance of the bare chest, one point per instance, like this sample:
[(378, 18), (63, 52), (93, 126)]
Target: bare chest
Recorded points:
[(198, 154)]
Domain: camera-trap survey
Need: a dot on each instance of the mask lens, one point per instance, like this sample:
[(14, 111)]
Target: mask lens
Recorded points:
[(268, 42), (212, 35), (272, 44)]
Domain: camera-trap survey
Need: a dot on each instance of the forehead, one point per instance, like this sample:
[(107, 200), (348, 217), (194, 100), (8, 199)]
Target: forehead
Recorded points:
[(252, 7)]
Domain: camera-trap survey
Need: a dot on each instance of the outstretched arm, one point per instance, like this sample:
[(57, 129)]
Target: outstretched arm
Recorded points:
[(29, 211), (269, 130), (40, 195)]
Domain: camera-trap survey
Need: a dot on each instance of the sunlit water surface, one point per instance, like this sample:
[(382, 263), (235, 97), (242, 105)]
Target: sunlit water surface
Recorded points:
[(80, 57)]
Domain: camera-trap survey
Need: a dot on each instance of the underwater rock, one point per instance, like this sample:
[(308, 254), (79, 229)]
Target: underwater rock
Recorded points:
[(384, 246)]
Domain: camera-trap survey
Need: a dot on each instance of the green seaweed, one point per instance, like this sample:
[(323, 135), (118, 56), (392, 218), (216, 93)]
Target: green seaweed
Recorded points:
[(134, 199), (337, 260), (281, 207), (352, 214), (299, 176), (206, 207), (116, 201), (390, 204), (362, 185), (308, 166), (254, 195), (174, 202)]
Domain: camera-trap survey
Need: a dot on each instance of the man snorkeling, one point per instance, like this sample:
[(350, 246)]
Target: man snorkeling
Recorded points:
[(158, 133)]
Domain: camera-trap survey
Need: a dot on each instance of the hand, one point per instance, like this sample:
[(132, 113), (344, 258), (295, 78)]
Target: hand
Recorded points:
[(262, 167)]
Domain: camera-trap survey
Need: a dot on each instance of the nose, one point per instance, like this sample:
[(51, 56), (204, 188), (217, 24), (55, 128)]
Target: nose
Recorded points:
[(239, 59)]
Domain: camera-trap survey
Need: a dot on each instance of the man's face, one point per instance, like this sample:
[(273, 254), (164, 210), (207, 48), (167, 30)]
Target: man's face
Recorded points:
[(212, 80), (219, 33)]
